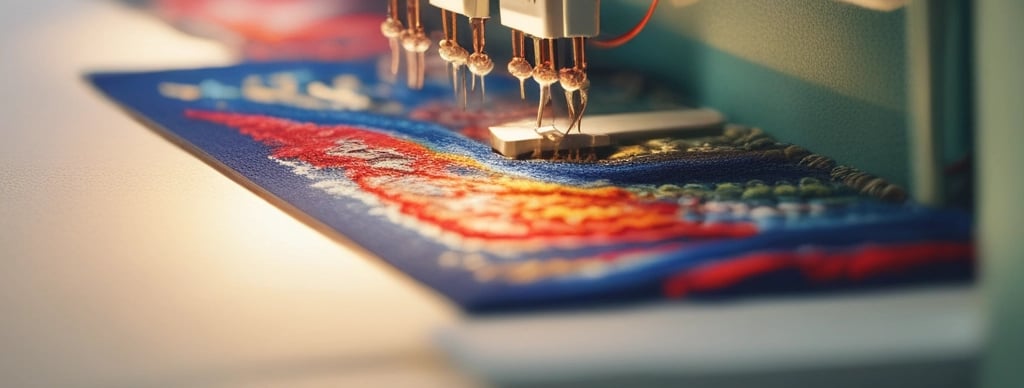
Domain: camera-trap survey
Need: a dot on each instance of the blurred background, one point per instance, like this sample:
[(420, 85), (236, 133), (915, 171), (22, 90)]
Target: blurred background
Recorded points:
[(127, 262)]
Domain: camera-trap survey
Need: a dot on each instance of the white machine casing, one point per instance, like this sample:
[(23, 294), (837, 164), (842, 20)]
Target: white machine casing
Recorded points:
[(552, 19), (469, 8)]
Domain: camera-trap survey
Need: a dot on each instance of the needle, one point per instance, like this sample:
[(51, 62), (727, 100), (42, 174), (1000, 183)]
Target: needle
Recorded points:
[(518, 66), (416, 43), (392, 29), (544, 73), (452, 53), (574, 80), (479, 62)]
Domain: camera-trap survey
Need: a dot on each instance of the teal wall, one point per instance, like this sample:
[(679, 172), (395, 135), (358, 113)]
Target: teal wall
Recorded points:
[(823, 74)]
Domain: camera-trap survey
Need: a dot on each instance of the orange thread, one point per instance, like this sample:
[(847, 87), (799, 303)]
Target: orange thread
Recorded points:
[(482, 204), (629, 35), (818, 265)]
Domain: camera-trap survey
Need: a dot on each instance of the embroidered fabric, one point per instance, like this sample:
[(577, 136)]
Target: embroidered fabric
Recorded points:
[(732, 215)]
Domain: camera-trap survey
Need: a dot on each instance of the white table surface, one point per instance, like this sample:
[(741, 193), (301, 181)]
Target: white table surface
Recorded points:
[(124, 261)]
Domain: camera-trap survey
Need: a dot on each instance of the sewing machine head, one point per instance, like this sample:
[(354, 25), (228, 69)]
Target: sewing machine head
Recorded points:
[(545, 22)]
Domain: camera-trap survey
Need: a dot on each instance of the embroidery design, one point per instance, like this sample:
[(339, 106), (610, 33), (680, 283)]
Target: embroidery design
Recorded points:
[(387, 168)]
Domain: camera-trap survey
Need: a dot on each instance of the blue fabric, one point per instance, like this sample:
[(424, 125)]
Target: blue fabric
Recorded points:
[(857, 221)]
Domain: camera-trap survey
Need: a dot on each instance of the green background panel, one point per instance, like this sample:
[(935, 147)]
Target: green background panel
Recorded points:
[(826, 75)]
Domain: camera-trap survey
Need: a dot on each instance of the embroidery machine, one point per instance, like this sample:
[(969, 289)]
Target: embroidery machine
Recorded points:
[(849, 78), (254, 258), (547, 24)]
